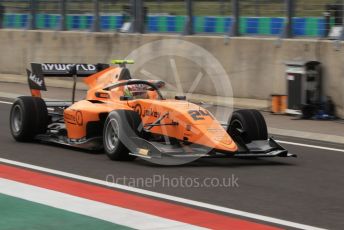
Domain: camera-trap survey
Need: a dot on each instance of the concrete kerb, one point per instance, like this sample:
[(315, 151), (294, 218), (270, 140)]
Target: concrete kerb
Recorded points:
[(307, 135)]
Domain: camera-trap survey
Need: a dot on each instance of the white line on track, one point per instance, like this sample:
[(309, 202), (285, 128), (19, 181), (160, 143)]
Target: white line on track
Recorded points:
[(6, 102), (164, 196), (310, 146)]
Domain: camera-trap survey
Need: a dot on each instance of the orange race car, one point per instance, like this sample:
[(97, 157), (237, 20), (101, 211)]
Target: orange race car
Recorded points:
[(130, 118)]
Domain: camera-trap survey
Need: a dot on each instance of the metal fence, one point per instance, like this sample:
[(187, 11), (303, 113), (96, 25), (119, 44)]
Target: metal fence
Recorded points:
[(287, 18)]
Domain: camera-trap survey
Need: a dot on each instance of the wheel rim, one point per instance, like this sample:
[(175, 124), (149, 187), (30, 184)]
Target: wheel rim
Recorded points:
[(17, 119), (236, 124), (111, 135)]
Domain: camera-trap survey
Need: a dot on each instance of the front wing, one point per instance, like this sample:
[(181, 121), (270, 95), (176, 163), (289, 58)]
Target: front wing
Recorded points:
[(261, 148)]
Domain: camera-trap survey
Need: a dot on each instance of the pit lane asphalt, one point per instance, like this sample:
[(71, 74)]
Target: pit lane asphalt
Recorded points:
[(307, 190)]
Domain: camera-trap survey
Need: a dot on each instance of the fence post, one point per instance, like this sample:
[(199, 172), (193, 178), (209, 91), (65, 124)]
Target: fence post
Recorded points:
[(189, 30), (342, 33), (327, 18), (96, 17), (257, 8), (235, 27), (32, 23), (139, 17), (288, 30), (133, 26), (222, 7), (63, 9), (159, 5)]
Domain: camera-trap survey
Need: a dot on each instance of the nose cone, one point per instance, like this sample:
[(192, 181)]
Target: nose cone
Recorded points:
[(195, 124), (206, 130), (217, 138)]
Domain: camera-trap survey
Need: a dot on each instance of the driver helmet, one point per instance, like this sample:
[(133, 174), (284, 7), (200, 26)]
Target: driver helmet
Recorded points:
[(137, 91)]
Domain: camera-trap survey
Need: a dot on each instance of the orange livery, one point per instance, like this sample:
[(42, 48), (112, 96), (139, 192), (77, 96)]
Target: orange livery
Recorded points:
[(130, 118)]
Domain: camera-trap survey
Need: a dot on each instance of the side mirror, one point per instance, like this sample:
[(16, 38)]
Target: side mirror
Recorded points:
[(180, 98), (125, 98), (159, 84)]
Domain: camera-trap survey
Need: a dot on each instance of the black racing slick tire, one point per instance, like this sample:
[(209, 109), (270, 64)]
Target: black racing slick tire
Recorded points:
[(251, 123), (118, 126), (28, 118)]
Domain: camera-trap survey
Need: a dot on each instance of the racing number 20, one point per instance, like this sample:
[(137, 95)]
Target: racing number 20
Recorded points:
[(198, 115)]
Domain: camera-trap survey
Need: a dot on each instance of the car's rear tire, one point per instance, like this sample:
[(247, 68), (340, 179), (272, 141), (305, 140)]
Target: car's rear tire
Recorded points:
[(252, 124), (29, 117), (117, 126)]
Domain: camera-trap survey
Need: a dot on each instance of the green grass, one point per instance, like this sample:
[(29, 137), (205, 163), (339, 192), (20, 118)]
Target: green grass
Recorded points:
[(23, 214), (267, 8)]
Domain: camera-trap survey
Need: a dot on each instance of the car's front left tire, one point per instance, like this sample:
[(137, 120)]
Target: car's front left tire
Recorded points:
[(119, 125)]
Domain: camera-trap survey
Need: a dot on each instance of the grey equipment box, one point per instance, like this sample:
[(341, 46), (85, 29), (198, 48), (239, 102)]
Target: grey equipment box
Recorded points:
[(304, 85)]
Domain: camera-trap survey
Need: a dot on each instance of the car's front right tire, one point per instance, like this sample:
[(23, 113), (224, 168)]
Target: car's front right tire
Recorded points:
[(251, 123)]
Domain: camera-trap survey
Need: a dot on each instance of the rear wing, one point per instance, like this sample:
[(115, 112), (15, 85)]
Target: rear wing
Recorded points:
[(39, 71)]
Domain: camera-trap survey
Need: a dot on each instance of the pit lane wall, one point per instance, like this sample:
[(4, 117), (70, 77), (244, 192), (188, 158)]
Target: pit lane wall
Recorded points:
[(255, 66)]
